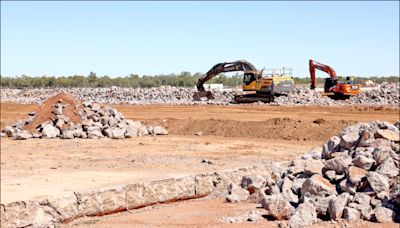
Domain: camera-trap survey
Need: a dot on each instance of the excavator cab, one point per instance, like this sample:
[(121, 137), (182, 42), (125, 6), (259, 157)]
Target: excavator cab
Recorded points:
[(248, 78), (329, 84)]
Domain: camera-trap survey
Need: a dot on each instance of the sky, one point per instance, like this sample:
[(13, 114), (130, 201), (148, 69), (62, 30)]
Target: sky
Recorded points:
[(146, 38)]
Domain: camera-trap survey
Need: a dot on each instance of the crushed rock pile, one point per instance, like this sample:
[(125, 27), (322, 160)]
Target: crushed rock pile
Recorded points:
[(61, 116), (386, 94), (117, 95), (355, 177), (303, 96)]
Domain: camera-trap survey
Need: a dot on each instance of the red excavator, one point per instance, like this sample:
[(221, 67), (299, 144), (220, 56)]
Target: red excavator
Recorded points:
[(334, 88)]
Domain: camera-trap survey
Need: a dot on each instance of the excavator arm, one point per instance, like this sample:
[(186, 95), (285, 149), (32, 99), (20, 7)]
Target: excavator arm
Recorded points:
[(325, 68), (240, 65)]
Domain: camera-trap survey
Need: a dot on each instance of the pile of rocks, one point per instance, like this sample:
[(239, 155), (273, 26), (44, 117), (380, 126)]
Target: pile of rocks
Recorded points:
[(117, 95), (387, 94), (354, 177), (95, 122), (303, 96)]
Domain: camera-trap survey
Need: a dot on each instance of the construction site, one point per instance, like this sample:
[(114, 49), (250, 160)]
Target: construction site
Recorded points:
[(283, 115), (279, 156)]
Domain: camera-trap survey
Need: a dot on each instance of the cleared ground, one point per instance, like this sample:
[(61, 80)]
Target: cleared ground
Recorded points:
[(11, 112), (234, 136), (200, 213), (55, 166)]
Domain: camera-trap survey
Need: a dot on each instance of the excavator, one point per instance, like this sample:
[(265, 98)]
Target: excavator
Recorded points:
[(333, 88), (258, 86)]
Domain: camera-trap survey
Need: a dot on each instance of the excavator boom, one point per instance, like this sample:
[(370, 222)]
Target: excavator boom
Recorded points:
[(240, 65), (322, 67)]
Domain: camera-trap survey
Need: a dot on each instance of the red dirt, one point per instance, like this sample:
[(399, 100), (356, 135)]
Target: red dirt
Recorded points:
[(275, 128), (45, 111), (202, 213)]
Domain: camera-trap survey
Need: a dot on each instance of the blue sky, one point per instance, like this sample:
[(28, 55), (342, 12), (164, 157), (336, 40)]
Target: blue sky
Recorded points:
[(119, 38)]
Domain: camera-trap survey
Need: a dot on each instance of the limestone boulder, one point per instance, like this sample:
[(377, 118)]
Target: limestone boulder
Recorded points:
[(304, 215), (277, 207), (317, 186)]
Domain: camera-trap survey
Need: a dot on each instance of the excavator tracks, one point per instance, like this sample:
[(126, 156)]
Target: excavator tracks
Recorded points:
[(251, 98)]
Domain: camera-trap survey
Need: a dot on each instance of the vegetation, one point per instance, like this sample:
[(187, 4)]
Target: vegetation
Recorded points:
[(185, 79)]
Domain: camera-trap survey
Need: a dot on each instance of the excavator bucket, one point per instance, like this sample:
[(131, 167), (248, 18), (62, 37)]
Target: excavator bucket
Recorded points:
[(203, 96)]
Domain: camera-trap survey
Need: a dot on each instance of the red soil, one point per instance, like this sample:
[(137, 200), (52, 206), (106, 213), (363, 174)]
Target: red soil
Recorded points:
[(45, 111)]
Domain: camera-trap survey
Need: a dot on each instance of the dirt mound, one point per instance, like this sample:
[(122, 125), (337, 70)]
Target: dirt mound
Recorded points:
[(45, 111), (275, 128)]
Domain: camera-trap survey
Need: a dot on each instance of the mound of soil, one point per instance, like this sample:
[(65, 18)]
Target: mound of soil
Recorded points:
[(45, 111), (275, 128)]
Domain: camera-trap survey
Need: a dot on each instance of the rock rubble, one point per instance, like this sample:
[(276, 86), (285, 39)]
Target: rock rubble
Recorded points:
[(304, 96), (96, 121), (385, 94), (117, 95), (355, 177)]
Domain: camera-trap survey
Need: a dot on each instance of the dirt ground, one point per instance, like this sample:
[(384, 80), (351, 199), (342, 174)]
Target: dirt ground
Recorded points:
[(234, 136), (54, 166), (11, 112), (200, 213), (251, 121)]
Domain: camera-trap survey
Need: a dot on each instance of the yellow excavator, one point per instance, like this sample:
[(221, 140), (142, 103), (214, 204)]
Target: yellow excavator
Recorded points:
[(257, 85)]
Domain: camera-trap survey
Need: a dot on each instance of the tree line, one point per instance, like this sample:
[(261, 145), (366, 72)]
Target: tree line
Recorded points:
[(184, 79)]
